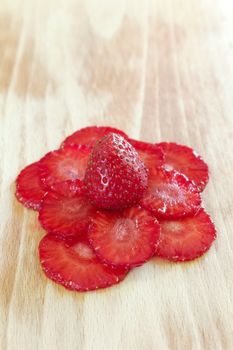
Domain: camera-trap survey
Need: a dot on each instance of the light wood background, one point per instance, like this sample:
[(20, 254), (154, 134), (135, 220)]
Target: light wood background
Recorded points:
[(160, 70)]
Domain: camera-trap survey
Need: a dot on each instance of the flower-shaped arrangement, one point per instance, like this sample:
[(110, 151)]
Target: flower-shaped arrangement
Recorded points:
[(109, 203)]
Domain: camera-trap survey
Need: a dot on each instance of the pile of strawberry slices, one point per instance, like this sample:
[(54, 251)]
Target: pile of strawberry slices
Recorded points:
[(109, 203)]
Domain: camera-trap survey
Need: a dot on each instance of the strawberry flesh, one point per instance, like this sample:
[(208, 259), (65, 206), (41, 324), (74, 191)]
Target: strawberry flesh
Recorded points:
[(124, 239), (66, 211), (187, 238), (68, 163), (185, 161), (71, 263), (151, 155), (29, 190), (171, 195), (90, 135), (67, 188), (115, 177)]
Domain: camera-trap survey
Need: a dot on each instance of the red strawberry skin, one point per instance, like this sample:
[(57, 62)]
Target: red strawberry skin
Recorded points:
[(151, 155), (65, 210), (29, 190), (115, 177), (171, 195), (71, 263), (126, 238), (186, 161), (187, 238), (64, 164), (90, 135)]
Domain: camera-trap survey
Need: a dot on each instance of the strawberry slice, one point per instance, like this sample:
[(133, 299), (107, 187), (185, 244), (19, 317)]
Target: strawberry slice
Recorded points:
[(115, 176), (29, 191), (65, 211), (187, 238), (124, 239), (68, 187), (68, 163), (186, 161), (73, 264), (88, 136), (151, 155), (171, 195)]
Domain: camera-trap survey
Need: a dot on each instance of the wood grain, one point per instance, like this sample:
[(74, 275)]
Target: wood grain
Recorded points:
[(160, 70)]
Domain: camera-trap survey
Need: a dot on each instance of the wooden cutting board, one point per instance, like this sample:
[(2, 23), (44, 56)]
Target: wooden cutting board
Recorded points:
[(160, 70)]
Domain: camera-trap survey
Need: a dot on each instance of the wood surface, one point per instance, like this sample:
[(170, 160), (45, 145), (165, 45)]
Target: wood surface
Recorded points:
[(160, 70)]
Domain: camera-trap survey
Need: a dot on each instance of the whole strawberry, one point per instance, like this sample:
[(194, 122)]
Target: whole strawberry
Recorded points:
[(115, 177)]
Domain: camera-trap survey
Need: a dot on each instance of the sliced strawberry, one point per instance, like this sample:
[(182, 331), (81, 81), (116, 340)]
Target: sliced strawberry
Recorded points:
[(187, 238), (151, 155), (88, 136), (68, 187), (66, 213), (124, 239), (68, 163), (186, 161), (73, 264), (29, 191), (115, 176), (171, 195)]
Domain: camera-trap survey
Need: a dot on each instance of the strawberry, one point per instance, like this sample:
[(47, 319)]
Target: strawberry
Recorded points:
[(171, 195), (126, 238), (151, 155), (115, 177), (65, 211), (68, 163), (88, 136), (186, 161), (29, 191), (68, 187), (73, 264), (187, 238)]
